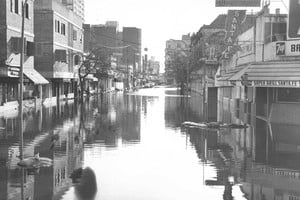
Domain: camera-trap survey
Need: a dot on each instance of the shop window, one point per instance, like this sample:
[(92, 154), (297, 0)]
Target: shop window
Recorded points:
[(275, 32), (288, 95)]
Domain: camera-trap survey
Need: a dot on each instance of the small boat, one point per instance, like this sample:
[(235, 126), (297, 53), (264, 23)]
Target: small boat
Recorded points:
[(35, 162), (213, 125)]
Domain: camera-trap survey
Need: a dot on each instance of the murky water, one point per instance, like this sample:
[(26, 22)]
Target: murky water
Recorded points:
[(134, 147)]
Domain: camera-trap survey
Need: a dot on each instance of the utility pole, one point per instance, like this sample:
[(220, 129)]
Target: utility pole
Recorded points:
[(21, 81), (21, 96)]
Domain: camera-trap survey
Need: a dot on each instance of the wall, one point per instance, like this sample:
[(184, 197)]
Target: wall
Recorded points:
[(43, 38)]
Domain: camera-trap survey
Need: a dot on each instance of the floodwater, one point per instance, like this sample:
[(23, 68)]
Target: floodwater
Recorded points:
[(133, 147)]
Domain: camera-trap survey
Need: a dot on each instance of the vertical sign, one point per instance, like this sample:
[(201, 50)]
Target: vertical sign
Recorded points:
[(237, 3), (233, 22), (294, 20)]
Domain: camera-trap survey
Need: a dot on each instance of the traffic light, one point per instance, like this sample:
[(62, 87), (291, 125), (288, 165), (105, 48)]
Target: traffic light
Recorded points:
[(294, 20)]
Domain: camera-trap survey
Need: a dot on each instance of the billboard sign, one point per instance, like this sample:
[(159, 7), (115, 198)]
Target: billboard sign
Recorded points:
[(238, 3), (293, 20), (233, 22)]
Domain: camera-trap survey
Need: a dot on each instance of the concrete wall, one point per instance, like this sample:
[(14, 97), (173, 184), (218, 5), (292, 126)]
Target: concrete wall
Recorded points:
[(43, 38)]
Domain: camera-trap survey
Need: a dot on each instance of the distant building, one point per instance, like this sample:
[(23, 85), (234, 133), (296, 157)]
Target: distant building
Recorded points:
[(59, 47), (132, 37), (175, 48), (77, 6), (113, 24), (153, 66)]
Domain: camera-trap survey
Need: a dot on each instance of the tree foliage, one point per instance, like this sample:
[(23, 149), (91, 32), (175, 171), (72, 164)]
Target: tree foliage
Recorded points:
[(96, 62)]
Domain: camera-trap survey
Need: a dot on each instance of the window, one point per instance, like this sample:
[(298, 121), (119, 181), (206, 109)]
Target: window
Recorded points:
[(17, 6), (16, 44), (289, 94), (30, 48), (57, 26), (27, 10), (275, 32), (81, 39), (11, 5), (74, 35), (61, 55), (63, 29), (76, 60)]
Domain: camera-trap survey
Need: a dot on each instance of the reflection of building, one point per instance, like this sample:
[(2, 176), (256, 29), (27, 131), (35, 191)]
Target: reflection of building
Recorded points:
[(51, 132)]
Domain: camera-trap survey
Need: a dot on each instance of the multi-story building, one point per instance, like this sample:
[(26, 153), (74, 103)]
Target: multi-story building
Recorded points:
[(103, 38), (259, 82), (59, 43), (77, 6), (10, 53), (132, 37), (153, 66), (174, 50)]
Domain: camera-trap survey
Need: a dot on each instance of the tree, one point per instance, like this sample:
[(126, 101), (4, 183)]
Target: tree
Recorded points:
[(178, 66), (96, 62)]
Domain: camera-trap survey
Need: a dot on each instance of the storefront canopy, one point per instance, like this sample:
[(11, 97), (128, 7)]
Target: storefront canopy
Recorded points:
[(34, 76), (269, 71)]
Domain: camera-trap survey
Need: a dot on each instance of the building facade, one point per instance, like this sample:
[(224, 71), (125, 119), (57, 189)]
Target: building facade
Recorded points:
[(174, 50), (59, 43), (132, 37), (10, 53), (259, 83)]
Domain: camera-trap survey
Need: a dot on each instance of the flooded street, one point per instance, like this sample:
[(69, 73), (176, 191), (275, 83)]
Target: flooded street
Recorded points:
[(133, 146)]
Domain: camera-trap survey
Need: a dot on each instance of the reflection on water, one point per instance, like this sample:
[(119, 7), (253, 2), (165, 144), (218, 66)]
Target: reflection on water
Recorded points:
[(133, 146)]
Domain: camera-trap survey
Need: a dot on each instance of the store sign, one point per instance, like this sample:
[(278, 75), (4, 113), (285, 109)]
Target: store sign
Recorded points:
[(13, 71), (275, 83), (280, 48), (237, 3), (233, 22), (288, 48)]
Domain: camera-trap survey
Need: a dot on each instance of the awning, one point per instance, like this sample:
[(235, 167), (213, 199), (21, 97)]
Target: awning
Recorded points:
[(278, 71), (34, 76), (268, 71), (238, 75)]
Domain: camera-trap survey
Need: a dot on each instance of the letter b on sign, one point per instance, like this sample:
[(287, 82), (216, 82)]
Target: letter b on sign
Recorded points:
[(294, 20)]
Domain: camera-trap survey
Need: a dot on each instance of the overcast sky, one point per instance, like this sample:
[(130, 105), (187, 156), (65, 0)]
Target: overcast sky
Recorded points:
[(159, 20)]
